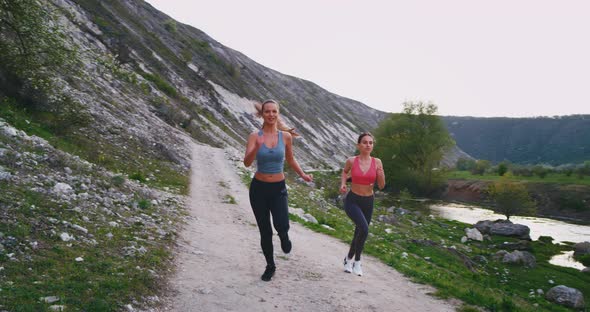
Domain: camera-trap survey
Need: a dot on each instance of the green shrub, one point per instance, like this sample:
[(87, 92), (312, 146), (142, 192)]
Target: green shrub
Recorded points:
[(144, 203), (170, 25), (138, 176), (118, 180), (161, 84)]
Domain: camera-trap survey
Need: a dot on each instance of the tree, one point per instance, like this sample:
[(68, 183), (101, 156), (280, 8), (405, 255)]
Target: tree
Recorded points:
[(502, 168), (464, 164), (481, 166), (32, 45), (511, 198), (411, 145)]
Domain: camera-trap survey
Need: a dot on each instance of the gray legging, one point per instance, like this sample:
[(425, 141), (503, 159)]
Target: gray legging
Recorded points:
[(266, 199), (359, 209)]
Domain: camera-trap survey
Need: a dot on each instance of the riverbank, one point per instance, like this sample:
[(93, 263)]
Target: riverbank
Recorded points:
[(430, 250), (568, 202)]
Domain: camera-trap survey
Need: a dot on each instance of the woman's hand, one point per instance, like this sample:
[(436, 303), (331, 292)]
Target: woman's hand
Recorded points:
[(343, 189), (307, 177), (380, 172)]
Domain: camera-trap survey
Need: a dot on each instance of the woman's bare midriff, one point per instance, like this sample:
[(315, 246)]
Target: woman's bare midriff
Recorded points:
[(269, 177), (362, 190)]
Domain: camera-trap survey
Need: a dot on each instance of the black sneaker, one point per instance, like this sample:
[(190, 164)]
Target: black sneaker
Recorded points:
[(268, 273), (286, 245)]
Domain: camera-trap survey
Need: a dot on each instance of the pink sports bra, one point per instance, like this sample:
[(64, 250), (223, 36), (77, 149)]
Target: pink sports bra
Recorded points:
[(367, 178)]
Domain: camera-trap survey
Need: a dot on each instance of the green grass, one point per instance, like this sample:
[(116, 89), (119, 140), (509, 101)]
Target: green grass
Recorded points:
[(558, 178), (107, 278), (493, 285)]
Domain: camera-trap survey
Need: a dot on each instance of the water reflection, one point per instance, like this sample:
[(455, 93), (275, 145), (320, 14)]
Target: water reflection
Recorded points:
[(566, 259), (559, 230)]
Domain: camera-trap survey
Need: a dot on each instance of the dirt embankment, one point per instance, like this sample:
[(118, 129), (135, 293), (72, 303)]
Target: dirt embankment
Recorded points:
[(568, 202)]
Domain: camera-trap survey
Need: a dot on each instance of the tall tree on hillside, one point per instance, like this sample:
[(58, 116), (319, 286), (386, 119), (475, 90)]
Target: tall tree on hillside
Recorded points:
[(411, 145), (511, 198)]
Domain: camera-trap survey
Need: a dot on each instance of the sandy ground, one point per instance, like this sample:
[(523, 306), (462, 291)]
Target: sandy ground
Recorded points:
[(219, 261)]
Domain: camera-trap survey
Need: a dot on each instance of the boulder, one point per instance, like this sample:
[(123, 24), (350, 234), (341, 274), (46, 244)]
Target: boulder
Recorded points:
[(474, 234), (389, 219), (581, 249), (499, 255), (520, 257), (567, 296), (503, 228), (520, 245)]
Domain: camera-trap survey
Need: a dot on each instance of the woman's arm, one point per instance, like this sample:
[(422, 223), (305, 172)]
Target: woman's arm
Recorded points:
[(344, 175), (254, 143), (380, 174), (291, 159)]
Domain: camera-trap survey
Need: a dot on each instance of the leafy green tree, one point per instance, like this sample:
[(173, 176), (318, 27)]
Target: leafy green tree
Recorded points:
[(511, 198), (32, 46), (411, 145), (481, 166), (502, 168), (464, 164)]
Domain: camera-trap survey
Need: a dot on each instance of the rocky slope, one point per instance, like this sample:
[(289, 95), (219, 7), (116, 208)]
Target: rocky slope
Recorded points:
[(144, 65)]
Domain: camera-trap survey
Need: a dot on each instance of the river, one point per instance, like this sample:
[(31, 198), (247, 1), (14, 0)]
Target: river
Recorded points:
[(560, 231)]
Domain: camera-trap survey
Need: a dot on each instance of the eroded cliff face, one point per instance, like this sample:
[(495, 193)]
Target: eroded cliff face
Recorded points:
[(567, 202)]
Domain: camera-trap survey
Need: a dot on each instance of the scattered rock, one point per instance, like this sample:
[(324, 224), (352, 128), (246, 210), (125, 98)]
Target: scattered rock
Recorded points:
[(581, 249), (309, 218), (389, 219), (474, 234), (567, 296), (499, 255), (520, 245), (520, 257), (50, 299), (62, 189), (79, 228), (66, 237)]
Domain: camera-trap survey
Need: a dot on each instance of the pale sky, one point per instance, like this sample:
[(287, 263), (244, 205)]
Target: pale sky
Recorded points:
[(515, 58)]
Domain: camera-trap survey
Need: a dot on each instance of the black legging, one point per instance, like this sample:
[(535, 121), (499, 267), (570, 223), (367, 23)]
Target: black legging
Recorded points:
[(359, 209), (268, 198)]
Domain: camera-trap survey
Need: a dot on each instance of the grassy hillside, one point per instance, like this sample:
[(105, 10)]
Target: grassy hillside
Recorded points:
[(429, 250)]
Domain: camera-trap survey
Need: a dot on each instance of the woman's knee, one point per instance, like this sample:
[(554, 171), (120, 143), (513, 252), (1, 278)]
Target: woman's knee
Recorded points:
[(363, 229)]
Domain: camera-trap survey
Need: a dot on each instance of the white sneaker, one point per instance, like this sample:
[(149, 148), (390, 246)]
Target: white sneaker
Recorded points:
[(347, 265), (356, 268)]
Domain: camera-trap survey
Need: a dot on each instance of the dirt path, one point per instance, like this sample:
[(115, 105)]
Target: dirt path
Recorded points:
[(220, 261)]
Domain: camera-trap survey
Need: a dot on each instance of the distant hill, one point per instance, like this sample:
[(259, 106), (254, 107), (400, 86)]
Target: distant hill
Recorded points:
[(550, 140)]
